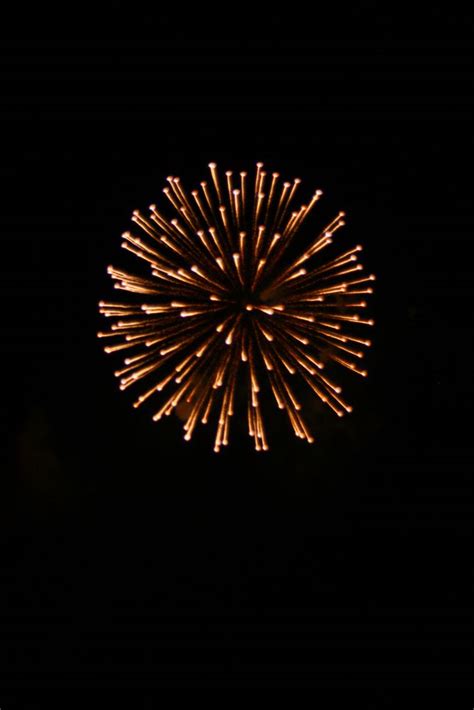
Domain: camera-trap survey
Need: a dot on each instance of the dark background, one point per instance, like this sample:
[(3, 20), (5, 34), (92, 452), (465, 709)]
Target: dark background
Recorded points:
[(132, 560)]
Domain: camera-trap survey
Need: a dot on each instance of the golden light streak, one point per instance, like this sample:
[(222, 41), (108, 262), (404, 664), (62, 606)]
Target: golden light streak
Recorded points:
[(226, 306)]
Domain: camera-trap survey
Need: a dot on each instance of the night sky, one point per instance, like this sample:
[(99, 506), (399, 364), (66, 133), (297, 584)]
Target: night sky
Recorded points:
[(132, 560)]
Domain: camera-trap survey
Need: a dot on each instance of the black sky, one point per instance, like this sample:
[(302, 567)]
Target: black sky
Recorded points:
[(132, 560)]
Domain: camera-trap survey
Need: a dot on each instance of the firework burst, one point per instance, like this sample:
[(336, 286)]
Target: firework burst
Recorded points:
[(227, 303)]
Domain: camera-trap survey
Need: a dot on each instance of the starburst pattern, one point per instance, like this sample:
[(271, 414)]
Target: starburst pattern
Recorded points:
[(228, 303)]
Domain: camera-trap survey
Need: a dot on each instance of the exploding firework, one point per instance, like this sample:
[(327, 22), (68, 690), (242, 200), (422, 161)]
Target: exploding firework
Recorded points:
[(228, 304)]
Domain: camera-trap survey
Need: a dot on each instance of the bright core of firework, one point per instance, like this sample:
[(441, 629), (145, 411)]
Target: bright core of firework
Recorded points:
[(226, 304)]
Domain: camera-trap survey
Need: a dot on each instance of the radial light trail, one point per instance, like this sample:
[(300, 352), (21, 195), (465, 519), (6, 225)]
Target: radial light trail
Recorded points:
[(228, 302)]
